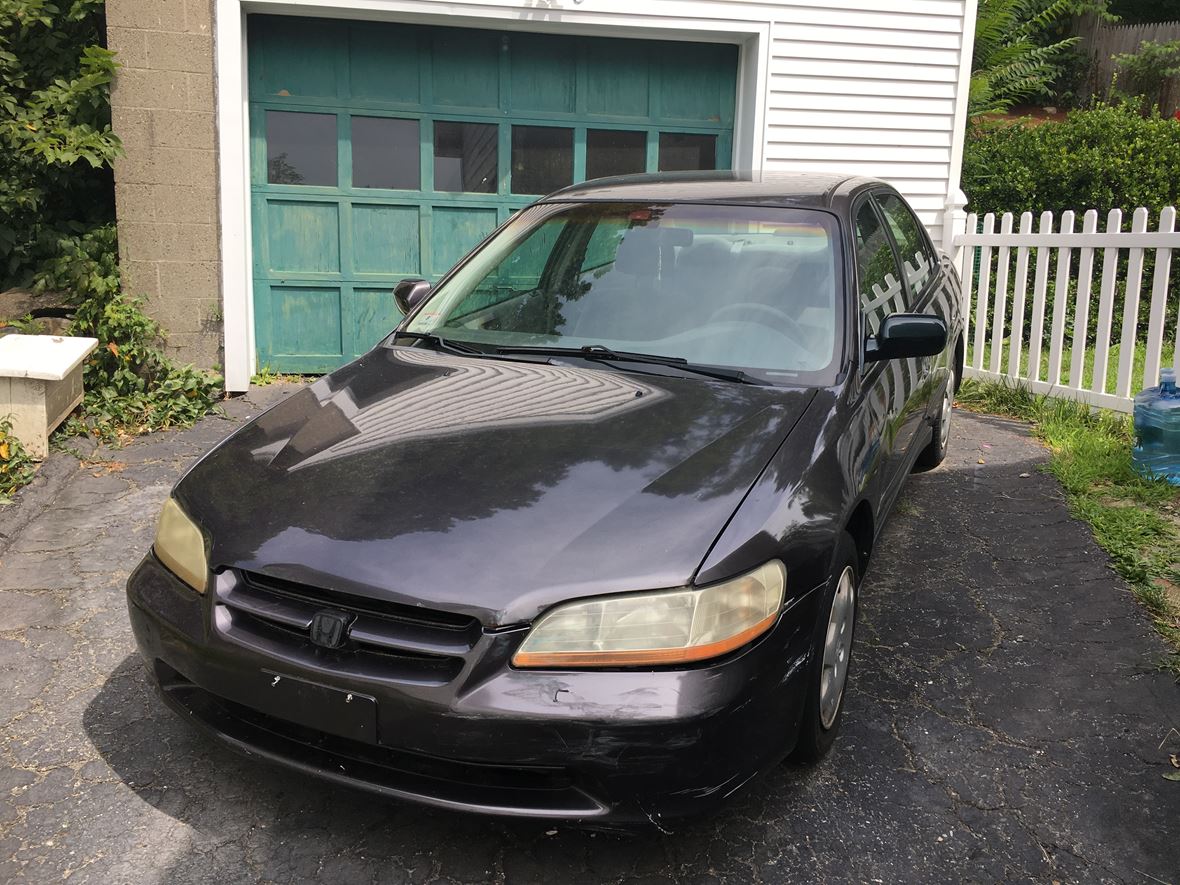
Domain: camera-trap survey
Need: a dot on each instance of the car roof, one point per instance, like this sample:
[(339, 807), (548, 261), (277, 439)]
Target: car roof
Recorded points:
[(796, 189)]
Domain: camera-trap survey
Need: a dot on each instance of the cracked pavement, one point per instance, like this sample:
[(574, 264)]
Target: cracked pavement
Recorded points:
[(1004, 720)]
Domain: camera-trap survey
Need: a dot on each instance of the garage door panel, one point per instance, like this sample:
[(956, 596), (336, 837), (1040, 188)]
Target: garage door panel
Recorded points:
[(462, 61), (617, 79), (454, 230), (289, 59), (698, 91), (385, 239), (543, 74), (383, 63), (374, 315), (305, 321), (303, 237)]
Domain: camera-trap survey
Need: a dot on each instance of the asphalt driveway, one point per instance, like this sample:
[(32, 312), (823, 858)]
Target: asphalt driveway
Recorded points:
[(1005, 719)]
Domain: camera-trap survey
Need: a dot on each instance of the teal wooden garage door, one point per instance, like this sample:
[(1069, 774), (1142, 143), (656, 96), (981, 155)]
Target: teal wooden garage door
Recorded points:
[(381, 151)]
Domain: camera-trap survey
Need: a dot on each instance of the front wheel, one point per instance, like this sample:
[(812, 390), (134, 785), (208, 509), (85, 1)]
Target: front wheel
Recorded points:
[(831, 655)]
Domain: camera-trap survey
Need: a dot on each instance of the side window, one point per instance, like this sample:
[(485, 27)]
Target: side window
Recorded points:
[(920, 262), (877, 272)]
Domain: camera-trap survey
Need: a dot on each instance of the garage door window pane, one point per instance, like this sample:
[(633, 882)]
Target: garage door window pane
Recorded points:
[(300, 148), (680, 151), (542, 159), (385, 153), (465, 157), (615, 152)]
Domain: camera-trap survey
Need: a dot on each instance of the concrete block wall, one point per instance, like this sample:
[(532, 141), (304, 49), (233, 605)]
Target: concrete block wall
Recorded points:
[(166, 186)]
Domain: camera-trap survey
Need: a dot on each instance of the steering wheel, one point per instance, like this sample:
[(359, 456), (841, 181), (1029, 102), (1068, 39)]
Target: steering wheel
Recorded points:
[(773, 315)]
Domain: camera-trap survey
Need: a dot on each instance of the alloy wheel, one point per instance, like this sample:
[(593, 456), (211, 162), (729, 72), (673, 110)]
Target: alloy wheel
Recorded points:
[(837, 648)]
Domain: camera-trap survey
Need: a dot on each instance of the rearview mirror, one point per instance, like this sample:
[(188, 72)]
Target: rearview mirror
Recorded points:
[(906, 335), (408, 294)]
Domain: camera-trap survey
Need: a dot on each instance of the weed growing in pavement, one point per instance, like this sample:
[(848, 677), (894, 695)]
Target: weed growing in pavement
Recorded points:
[(1134, 519)]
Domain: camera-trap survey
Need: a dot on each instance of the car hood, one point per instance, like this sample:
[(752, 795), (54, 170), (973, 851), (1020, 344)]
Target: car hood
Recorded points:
[(488, 487)]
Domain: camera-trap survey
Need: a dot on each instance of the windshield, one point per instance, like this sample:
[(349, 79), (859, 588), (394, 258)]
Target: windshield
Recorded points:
[(736, 286)]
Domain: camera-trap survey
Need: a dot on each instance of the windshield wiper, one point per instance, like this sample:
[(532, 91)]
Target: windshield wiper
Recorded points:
[(442, 343), (605, 354)]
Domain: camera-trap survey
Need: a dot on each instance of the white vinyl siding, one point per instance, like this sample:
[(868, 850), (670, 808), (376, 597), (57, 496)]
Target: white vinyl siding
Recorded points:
[(856, 89)]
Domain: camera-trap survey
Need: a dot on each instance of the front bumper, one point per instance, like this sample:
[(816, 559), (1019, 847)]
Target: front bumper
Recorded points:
[(612, 746)]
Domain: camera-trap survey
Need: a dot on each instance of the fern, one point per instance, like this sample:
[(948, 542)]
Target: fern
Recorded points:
[(1009, 64)]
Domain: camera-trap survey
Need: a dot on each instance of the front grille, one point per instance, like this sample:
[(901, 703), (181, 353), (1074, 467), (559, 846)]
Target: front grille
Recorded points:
[(382, 638)]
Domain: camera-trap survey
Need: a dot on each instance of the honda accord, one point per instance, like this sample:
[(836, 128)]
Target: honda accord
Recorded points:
[(583, 537)]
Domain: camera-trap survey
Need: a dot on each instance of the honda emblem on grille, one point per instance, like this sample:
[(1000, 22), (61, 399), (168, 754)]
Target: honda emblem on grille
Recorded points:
[(327, 628)]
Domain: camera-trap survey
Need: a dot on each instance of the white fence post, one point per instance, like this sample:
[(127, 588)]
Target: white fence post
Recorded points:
[(1081, 313), (1159, 302), (1110, 266), (1040, 284), (1001, 301), (1065, 375), (984, 287), (1016, 346), (1060, 296)]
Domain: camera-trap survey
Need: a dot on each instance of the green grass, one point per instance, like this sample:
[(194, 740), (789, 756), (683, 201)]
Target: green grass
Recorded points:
[(1134, 519), (1112, 365)]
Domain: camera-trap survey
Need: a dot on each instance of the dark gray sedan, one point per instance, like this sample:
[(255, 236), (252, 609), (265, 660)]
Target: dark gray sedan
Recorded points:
[(583, 537)]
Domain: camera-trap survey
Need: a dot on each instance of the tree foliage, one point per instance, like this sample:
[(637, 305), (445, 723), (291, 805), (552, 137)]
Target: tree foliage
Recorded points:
[(56, 143), (1146, 70), (1012, 58)]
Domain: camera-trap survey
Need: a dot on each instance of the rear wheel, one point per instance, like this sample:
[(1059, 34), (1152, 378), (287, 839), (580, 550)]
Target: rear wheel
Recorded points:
[(935, 453), (831, 655)]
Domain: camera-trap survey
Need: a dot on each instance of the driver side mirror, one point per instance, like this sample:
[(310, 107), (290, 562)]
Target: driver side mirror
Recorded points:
[(906, 335), (408, 294)]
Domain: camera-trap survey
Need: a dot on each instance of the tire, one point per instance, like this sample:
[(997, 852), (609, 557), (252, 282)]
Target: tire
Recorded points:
[(823, 709), (935, 453)]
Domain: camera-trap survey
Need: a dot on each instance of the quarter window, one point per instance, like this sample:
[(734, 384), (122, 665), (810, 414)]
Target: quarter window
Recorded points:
[(916, 253), (881, 290)]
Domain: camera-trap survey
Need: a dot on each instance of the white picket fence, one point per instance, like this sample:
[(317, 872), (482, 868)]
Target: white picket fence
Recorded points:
[(997, 349)]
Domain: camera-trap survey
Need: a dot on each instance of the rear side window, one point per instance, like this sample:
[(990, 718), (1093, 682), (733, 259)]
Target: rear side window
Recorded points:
[(877, 273), (917, 256)]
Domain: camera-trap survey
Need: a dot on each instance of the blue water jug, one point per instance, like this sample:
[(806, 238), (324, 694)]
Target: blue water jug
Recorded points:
[(1157, 430)]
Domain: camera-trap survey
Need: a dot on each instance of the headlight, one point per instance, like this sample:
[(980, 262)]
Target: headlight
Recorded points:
[(181, 546), (668, 627)]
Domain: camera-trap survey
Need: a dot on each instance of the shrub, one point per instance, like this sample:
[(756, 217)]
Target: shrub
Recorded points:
[(1109, 157), (1104, 158), (131, 386)]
